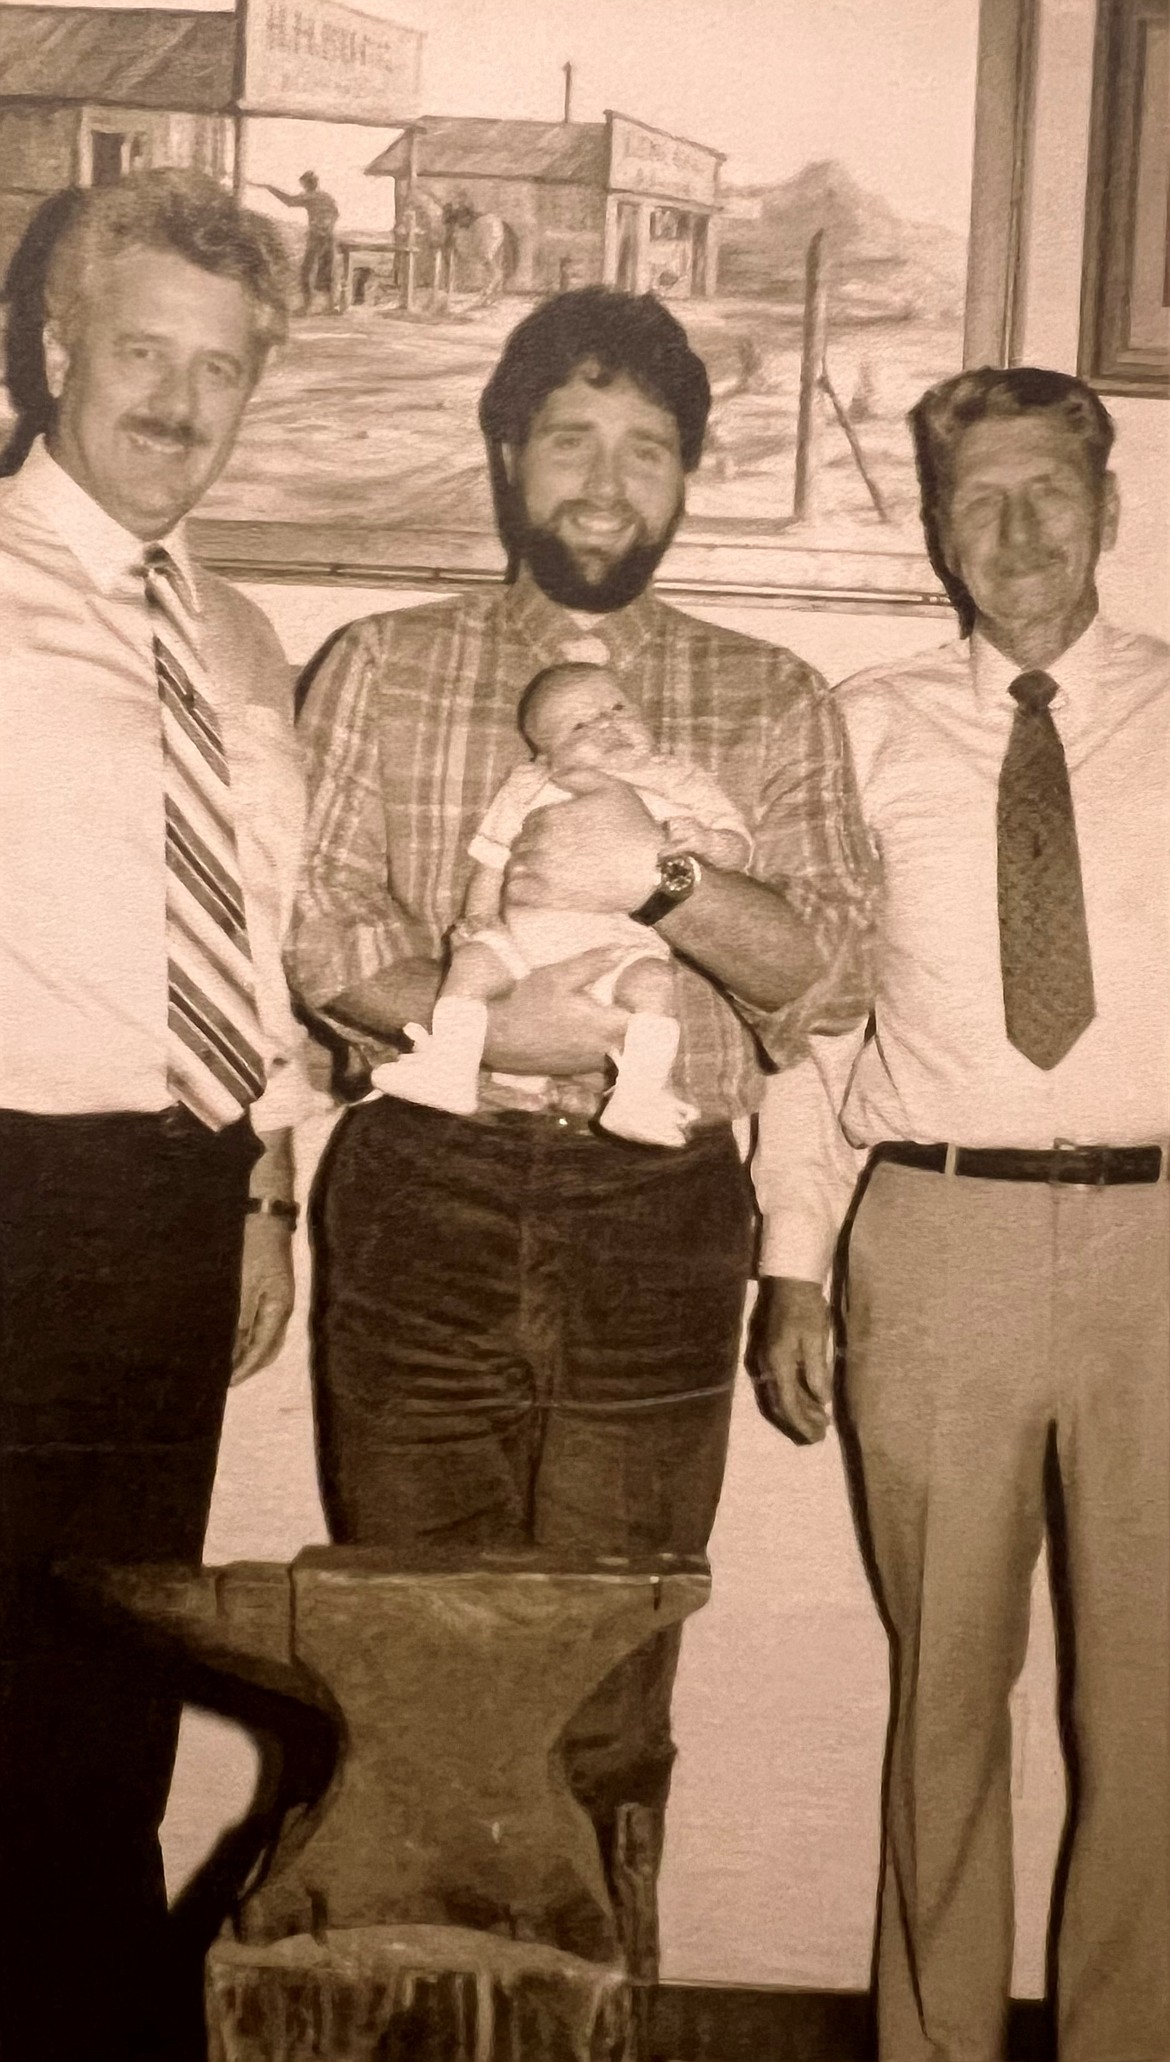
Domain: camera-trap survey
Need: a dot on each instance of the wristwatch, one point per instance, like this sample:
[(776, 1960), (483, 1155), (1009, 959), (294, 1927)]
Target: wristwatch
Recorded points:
[(679, 874), (272, 1206)]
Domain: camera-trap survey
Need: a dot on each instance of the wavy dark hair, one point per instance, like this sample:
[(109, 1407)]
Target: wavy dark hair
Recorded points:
[(186, 213), (606, 334), (940, 419)]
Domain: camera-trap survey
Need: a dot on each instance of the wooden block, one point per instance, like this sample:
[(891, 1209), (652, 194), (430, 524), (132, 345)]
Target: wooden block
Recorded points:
[(412, 1994)]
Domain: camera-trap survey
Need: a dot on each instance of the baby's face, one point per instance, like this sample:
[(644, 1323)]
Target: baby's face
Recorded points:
[(585, 722)]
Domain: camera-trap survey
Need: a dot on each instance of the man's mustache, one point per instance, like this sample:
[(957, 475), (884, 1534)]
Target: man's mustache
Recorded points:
[(1034, 561), (182, 433)]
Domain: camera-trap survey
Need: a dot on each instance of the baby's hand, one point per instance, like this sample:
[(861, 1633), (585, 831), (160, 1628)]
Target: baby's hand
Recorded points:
[(683, 834), (725, 848)]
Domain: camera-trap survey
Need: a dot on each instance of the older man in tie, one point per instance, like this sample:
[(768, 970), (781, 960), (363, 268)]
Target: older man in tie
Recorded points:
[(150, 1067), (1008, 1335)]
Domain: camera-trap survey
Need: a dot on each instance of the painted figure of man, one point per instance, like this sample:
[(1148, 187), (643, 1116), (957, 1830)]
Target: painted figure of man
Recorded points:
[(150, 1067), (527, 1330), (1007, 1330), (321, 212)]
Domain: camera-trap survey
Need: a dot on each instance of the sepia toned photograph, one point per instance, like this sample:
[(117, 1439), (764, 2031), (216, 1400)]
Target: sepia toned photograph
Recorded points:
[(414, 241), (585, 1031)]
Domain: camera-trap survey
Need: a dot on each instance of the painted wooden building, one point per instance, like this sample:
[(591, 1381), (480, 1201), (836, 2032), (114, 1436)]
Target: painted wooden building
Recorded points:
[(90, 93), (615, 202), (87, 94)]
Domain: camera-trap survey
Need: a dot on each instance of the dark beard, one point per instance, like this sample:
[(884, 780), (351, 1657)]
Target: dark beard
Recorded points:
[(558, 575)]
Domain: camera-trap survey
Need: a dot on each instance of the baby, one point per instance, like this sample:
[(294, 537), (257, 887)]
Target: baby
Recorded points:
[(574, 716)]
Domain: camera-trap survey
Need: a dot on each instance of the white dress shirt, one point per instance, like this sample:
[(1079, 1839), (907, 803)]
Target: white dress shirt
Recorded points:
[(83, 981), (928, 737)]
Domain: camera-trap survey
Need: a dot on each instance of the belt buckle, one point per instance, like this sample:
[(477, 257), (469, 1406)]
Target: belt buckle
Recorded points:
[(1057, 1180)]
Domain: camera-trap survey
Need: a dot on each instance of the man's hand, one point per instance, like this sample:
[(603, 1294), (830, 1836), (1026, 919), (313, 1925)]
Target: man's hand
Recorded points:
[(597, 852), (548, 1024), (266, 1295), (789, 1358)]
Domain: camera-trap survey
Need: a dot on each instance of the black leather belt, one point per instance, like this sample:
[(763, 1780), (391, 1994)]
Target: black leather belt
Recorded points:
[(575, 1123), (538, 1124), (1063, 1165)]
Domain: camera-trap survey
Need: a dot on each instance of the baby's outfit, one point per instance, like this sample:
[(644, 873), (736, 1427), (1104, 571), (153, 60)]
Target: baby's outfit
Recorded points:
[(443, 1069), (528, 938)]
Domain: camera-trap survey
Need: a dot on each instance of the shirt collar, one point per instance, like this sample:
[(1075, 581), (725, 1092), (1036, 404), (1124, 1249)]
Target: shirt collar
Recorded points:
[(1076, 672), (547, 627), (108, 553)]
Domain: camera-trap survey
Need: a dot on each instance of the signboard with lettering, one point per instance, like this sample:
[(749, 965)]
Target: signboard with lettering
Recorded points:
[(318, 58), (644, 160)]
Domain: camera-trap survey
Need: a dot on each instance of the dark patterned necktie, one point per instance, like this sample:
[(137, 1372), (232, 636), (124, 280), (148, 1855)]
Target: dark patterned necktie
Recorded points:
[(1043, 937), (213, 1065)]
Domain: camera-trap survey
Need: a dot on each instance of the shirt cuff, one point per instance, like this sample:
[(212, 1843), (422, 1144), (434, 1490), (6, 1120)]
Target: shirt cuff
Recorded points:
[(290, 1095), (489, 852), (797, 1246)]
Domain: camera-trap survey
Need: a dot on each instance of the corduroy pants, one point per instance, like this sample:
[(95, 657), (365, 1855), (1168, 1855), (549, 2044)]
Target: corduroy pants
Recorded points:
[(527, 1336)]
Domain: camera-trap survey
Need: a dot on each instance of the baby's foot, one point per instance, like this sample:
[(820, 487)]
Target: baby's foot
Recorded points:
[(652, 1116), (443, 1069)]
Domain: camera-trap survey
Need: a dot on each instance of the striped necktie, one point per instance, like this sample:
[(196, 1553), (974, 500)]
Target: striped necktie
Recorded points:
[(1043, 937), (213, 1031)]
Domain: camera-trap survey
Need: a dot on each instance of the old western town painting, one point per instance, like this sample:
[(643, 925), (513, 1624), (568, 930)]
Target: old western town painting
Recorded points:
[(436, 168)]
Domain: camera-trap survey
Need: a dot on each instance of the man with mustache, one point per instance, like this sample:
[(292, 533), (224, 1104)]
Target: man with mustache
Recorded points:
[(1008, 1267), (527, 1330), (150, 1066)]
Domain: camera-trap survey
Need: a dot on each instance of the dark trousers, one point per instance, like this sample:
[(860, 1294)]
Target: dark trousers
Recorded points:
[(120, 1240), (527, 1336), (317, 267)]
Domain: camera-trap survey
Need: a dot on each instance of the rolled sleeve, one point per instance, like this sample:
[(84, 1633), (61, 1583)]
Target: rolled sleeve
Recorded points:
[(812, 847), (346, 926), (805, 1170), (486, 852)]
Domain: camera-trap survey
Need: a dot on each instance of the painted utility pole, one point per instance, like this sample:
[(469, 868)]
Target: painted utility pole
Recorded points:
[(814, 381), (812, 358)]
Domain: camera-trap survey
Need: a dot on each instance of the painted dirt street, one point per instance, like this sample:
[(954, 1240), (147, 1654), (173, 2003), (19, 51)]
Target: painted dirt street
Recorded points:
[(371, 419)]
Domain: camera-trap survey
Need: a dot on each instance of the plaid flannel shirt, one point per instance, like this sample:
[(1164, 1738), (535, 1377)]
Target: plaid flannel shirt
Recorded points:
[(409, 728)]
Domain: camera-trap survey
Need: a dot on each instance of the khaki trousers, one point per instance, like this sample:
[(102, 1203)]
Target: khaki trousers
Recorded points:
[(1006, 1339)]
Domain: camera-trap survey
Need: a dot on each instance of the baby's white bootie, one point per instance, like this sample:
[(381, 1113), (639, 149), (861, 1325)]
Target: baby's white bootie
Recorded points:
[(443, 1069), (642, 1105)]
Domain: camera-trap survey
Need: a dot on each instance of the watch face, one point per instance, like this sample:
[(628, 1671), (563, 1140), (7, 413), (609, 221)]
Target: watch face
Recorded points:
[(678, 874)]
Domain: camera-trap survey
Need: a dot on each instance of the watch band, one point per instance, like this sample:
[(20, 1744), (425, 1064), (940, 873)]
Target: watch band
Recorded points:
[(679, 874), (272, 1206)]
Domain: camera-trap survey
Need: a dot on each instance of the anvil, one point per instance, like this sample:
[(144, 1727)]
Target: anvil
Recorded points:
[(449, 1687)]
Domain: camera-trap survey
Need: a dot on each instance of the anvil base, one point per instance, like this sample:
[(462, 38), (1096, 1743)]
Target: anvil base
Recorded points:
[(412, 1994)]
